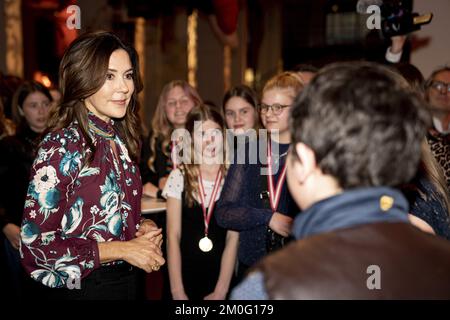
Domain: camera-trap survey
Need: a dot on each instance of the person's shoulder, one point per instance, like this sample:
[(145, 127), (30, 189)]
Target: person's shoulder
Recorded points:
[(176, 174), (63, 143), (70, 135), (174, 185), (63, 149)]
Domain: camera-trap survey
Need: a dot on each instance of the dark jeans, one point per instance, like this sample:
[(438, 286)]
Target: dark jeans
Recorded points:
[(121, 282)]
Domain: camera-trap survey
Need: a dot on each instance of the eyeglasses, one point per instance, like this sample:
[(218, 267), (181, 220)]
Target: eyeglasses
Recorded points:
[(276, 108), (439, 85)]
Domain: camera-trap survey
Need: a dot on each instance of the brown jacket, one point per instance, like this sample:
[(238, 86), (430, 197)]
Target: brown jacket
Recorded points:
[(334, 265)]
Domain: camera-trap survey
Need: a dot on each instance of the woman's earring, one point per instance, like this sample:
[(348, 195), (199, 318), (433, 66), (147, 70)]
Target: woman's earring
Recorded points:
[(21, 111)]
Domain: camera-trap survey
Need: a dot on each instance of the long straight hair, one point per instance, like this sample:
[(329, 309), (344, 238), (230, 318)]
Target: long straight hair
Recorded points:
[(82, 73)]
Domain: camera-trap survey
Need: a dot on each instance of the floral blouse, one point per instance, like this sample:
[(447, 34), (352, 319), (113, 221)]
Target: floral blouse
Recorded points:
[(70, 206)]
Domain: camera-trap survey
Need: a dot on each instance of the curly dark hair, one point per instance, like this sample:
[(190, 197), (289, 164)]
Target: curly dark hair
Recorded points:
[(363, 122)]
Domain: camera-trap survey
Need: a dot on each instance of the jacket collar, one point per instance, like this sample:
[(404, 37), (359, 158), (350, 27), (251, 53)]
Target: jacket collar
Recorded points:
[(351, 208)]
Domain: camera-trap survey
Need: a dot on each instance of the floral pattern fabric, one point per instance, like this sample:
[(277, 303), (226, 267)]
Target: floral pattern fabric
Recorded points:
[(70, 207)]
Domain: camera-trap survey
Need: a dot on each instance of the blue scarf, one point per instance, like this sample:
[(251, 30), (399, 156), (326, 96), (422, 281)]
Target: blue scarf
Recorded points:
[(352, 208)]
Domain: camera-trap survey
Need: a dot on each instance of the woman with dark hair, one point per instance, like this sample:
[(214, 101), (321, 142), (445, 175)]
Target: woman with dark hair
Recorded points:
[(81, 225), (30, 110), (255, 200), (239, 107)]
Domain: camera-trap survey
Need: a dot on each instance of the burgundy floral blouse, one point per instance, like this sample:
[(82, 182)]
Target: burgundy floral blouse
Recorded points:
[(70, 207)]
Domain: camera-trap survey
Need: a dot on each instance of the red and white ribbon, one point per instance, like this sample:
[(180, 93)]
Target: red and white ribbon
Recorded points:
[(274, 191), (208, 211)]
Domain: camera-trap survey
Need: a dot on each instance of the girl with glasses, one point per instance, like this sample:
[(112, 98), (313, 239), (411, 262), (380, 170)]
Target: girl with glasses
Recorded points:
[(255, 200)]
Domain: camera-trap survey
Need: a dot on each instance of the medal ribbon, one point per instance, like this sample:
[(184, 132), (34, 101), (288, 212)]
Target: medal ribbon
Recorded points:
[(274, 197), (207, 213)]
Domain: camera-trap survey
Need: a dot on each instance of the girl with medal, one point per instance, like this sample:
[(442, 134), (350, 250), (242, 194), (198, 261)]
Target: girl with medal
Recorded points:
[(278, 96), (255, 200), (159, 150), (201, 255)]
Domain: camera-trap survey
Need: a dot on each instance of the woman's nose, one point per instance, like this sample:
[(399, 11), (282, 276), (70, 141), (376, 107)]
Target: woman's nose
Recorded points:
[(123, 86), (42, 108)]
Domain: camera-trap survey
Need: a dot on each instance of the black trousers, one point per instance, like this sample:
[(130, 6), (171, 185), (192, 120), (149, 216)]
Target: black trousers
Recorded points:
[(120, 282)]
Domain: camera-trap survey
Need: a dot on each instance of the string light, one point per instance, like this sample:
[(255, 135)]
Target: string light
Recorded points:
[(227, 67), (192, 48)]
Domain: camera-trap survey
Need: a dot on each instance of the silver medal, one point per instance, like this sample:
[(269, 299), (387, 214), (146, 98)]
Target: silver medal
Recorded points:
[(205, 244)]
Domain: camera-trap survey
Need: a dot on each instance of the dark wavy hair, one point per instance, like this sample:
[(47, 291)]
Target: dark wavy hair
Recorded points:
[(364, 123), (82, 73)]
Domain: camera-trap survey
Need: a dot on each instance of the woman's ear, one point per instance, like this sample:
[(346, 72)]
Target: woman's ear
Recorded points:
[(20, 111), (307, 161)]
